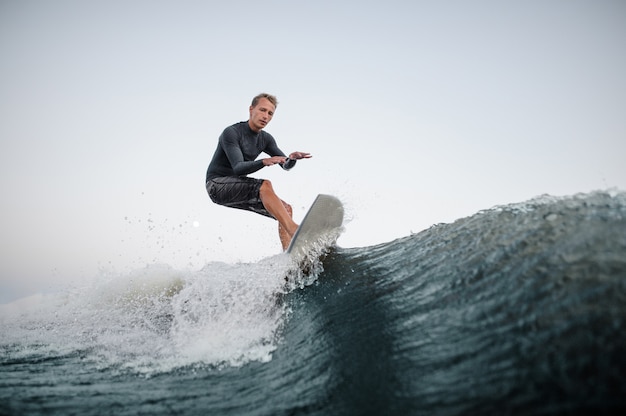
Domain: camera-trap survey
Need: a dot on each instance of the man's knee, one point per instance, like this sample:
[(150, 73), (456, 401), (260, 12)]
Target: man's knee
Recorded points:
[(266, 191), (266, 187), (288, 208)]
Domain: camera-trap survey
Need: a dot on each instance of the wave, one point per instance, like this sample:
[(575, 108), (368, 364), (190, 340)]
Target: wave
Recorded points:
[(517, 309)]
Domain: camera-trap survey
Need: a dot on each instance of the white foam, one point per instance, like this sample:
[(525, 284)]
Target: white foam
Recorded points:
[(158, 318)]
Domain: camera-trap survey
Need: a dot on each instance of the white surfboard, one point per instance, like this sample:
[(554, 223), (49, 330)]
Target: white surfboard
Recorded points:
[(320, 227)]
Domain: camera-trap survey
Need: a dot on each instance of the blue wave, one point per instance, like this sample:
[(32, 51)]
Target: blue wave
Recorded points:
[(520, 309), (516, 310)]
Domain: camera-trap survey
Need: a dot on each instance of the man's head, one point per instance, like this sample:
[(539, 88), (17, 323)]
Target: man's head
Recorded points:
[(272, 99), (261, 111)]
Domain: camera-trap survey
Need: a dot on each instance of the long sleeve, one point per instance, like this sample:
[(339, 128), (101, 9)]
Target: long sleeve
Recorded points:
[(230, 143)]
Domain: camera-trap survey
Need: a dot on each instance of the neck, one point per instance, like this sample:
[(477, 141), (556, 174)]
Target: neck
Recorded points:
[(252, 127)]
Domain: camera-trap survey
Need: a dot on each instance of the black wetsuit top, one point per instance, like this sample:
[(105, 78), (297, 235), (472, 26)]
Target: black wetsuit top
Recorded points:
[(237, 149)]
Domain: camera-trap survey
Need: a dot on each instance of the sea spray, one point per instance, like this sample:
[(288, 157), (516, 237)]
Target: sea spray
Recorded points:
[(157, 318), (230, 313)]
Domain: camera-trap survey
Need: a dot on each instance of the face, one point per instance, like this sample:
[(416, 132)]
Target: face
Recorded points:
[(261, 114)]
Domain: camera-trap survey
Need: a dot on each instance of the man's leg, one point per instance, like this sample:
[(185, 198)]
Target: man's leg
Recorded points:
[(280, 210), (284, 236)]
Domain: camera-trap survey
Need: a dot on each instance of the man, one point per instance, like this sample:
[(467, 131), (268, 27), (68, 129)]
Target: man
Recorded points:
[(235, 157)]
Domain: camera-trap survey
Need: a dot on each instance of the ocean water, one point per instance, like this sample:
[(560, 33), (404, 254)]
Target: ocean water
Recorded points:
[(519, 309)]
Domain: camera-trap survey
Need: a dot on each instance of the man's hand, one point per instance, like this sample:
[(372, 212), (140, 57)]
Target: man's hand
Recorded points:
[(274, 160), (300, 155)]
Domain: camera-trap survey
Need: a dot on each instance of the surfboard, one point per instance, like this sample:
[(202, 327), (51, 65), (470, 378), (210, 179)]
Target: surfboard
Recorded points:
[(319, 229)]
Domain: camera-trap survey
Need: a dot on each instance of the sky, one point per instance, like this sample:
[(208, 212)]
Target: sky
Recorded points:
[(416, 113)]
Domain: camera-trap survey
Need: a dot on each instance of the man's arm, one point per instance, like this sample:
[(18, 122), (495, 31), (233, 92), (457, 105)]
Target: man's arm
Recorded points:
[(287, 163), (277, 155), (230, 144), (290, 162)]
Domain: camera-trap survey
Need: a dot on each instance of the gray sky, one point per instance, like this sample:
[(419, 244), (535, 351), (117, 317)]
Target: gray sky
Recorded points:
[(416, 113)]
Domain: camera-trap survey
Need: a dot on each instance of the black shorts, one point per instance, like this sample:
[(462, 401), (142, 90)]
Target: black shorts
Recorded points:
[(238, 192)]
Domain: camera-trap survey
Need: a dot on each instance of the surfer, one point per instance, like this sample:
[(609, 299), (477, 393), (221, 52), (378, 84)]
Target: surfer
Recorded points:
[(235, 157)]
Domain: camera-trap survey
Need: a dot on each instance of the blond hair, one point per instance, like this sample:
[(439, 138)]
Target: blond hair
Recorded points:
[(272, 99)]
